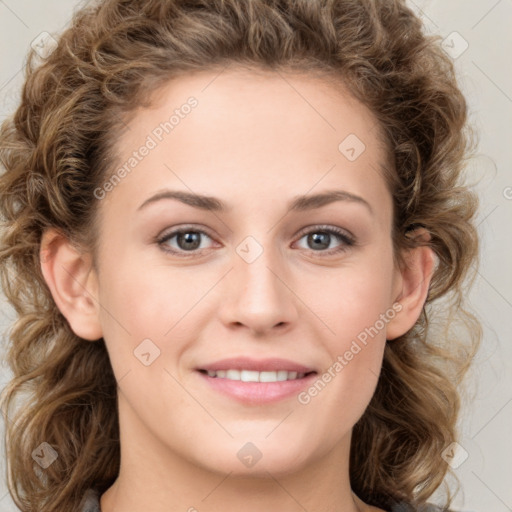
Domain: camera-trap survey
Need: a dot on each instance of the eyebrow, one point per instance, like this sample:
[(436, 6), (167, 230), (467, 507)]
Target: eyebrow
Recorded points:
[(298, 203)]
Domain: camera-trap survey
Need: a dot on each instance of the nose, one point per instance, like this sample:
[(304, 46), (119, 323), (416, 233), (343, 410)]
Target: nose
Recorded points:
[(257, 296)]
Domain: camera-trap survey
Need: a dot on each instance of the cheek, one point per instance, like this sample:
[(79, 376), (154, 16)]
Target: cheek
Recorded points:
[(353, 300), (147, 300), (151, 302), (355, 308)]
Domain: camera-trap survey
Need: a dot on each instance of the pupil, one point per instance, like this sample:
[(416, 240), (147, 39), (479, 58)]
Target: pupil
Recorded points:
[(191, 240), (320, 240)]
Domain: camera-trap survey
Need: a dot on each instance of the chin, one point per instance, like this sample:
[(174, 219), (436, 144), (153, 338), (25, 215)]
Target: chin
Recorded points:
[(245, 458)]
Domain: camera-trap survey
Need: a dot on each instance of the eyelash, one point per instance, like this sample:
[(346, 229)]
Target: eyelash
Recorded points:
[(348, 241)]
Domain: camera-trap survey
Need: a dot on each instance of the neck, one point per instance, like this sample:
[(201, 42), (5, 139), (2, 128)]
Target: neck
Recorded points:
[(228, 494), (155, 477)]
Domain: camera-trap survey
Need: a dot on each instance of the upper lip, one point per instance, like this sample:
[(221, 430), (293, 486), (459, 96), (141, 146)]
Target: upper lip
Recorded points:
[(260, 365)]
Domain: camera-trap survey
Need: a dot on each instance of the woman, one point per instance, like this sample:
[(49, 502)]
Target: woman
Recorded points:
[(227, 227)]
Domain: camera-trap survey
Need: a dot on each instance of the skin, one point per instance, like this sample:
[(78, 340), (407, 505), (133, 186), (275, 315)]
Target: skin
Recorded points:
[(255, 141)]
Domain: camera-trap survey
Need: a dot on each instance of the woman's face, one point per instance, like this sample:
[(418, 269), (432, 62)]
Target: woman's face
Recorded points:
[(260, 273)]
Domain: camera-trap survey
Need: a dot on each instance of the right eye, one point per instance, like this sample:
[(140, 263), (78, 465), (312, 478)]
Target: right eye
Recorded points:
[(186, 240)]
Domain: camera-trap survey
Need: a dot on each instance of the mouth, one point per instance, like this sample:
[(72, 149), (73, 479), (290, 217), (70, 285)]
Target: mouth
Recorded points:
[(256, 376), (251, 381)]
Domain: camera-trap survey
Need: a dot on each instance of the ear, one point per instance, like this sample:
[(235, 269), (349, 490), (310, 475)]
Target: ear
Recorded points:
[(73, 283), (412, 284)]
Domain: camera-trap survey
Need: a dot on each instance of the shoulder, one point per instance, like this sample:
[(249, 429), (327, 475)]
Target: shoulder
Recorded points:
[(90, 501)]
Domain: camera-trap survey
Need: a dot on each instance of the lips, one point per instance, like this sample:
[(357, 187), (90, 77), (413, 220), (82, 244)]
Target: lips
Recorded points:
[(256, 381)]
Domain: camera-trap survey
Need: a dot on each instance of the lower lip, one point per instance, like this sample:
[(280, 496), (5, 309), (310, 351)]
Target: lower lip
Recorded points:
[(258, 392)]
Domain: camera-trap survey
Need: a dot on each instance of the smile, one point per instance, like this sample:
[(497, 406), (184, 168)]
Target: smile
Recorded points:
[(255, 376)]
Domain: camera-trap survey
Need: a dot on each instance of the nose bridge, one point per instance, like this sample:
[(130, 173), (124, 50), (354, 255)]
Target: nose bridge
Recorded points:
[(257, 270), (258, 295)]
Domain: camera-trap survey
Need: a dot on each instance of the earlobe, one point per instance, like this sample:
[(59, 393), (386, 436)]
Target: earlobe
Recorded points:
[(415, 282), (72, 282)]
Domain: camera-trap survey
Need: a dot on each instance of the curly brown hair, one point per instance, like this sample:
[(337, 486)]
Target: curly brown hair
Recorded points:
[(57, 149)]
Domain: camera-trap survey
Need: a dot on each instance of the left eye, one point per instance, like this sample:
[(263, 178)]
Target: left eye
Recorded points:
[(320, 238), (189, 240)]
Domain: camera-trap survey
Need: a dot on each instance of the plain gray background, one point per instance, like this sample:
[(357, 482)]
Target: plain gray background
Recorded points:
[(477, 35)]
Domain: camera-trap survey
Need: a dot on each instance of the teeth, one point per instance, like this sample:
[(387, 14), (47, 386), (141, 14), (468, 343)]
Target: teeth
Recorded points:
[(249, 376), (281, 375), (254, 376), (233, 374), (268, 377)]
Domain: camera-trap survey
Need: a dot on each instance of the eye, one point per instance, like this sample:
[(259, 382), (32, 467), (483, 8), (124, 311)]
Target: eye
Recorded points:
[(320, 238), (187, 239)]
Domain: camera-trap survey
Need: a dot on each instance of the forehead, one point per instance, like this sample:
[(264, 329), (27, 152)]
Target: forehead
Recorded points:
[(251, 134)]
